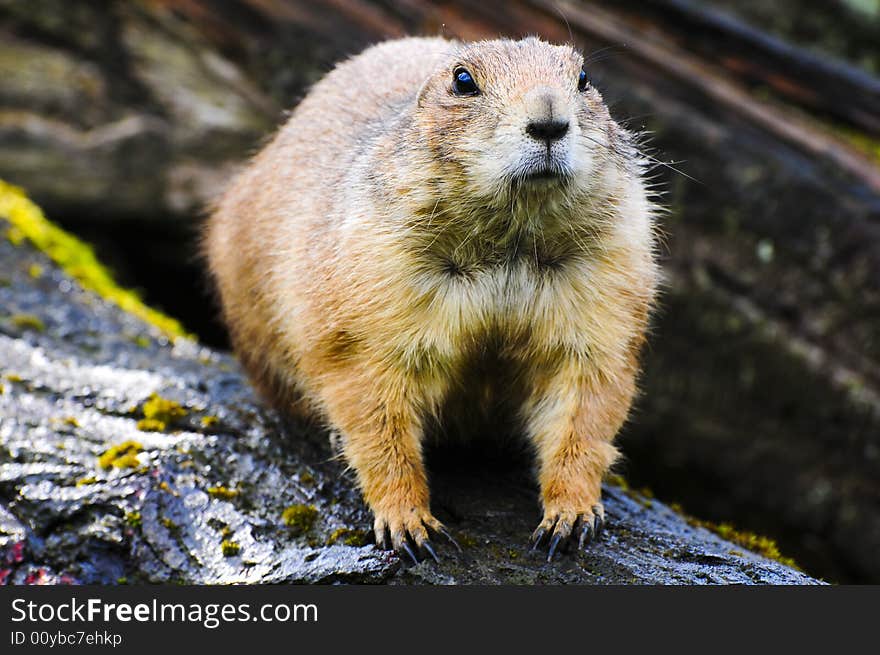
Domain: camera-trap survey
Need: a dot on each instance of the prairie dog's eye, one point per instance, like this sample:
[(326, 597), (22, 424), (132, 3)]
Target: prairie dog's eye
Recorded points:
[(583, 82), (463, 83)]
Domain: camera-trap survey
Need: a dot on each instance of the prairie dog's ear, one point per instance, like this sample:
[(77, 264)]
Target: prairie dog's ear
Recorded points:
[(423, 92), (441, 58)]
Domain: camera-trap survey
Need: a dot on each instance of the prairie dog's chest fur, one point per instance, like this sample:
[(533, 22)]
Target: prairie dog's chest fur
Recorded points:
[(540, 296)]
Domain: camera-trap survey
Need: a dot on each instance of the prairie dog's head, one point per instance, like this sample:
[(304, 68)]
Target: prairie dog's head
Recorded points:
[(516, 116)]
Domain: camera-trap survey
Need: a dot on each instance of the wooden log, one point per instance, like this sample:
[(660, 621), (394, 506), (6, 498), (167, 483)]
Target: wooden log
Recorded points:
[(822, 84), (761, 385)]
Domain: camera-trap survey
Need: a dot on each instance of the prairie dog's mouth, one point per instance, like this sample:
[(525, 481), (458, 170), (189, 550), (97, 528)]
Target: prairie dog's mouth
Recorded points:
[(544, 168), (543, 174)]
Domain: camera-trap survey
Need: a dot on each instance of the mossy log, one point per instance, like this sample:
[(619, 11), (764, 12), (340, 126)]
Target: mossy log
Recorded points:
[(761, 400), (128, 455)]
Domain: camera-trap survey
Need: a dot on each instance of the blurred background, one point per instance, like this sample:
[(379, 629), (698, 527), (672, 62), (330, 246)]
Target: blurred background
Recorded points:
[(761, 403)]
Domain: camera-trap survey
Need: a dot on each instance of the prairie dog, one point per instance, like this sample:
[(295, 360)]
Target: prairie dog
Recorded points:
[(429, 199)]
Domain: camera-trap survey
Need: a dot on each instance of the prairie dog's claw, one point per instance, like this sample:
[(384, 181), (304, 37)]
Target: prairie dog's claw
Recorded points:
[(584, 526), (409, 552), (398, 530), (430, 549), (442, 530)]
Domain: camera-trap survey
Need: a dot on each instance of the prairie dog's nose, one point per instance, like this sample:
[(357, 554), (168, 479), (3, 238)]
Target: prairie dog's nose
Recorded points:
[(547, 130), (547, 117)]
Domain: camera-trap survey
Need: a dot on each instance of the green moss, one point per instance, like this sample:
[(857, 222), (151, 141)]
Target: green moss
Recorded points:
[(74, 257), (163, 409), (159, 413), (120, 456), (618, 481), (223, 493), (15, 236), (763, 546), (467, 541), (28, 322), (230, 548), (151, 425), (348, 536), (141, 341), (756, 543), (868, 145), (750, 541), (133, 519), (122, 580), (300, 518)]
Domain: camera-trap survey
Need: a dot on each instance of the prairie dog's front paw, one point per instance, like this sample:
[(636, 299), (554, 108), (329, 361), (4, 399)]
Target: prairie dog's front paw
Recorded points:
[(403, 528), (563, 523)]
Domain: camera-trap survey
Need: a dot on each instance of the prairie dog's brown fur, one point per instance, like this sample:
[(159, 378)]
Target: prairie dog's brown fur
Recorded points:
[(396, 227)]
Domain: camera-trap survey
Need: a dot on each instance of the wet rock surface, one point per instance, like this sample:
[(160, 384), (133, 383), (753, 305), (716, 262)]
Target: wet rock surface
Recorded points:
[(128, 458)]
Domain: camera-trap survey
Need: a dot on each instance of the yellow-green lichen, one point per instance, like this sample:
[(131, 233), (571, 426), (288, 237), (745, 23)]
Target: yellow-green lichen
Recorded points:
[(74, 257), (164, 486), (866, 144), (121, 456), (347, 536), (15, 236), (82, 482), (617, 480), (750, 541), (300, 518), (2, 389), (133, 519), (159, 413), (209, 421), (230, 548), (466, 540), (170, 525), (223, 493), (12, 377), (755, 543), (28, 322), (141, 341), (761, 545), (35, 271), (150, 425)]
